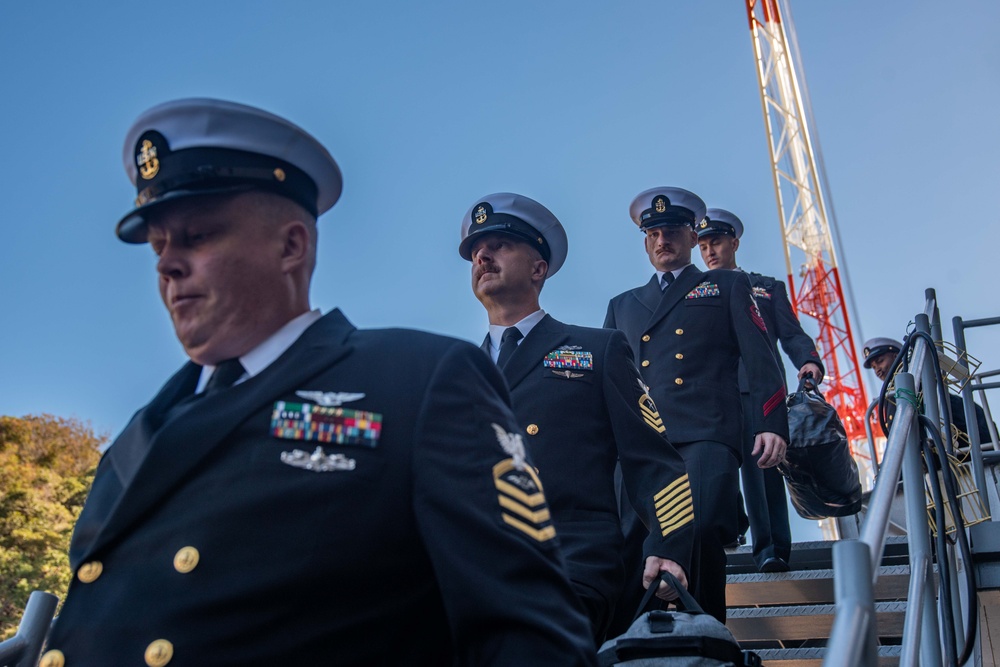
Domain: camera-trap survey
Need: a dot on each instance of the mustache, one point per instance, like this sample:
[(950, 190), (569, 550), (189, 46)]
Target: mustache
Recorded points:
[(482, 269)]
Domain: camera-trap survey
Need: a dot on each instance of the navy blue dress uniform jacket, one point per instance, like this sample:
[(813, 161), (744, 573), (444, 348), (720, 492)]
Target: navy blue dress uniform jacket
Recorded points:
[(782, 326), (431, 545), (689, 340), (579, 423)]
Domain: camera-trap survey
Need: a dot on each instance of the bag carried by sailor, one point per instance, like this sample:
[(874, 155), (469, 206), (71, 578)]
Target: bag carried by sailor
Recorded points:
[(820, 473), (687, 637)]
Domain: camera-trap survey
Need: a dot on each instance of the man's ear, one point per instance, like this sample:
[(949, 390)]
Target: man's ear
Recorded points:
[(694, 238), (736, 244), (540, 270), (295, 251)]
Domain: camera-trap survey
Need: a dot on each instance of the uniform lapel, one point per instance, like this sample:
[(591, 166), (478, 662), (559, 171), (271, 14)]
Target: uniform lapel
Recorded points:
[(133, 444), (650, 294), (194, 431), (124, 457), (672, 296), (544, 337), (485, 347)]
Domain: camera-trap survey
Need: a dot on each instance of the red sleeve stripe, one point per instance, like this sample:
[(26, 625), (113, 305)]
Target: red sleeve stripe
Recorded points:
[(774, 401)]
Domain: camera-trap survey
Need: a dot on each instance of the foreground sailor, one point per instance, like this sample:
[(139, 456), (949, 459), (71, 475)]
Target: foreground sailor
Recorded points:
[(689, 330), (879, 355), (763, 488), (300, 492), (582, 406)]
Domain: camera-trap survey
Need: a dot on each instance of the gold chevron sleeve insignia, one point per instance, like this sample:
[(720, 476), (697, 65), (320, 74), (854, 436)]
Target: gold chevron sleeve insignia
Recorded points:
[(649, 412), (674, 505), (522, 501)]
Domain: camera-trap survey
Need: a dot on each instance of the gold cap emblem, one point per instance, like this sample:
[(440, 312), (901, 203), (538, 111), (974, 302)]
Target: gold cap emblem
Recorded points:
[(703, 224), (660, 204), (480, 214), (146, 160)]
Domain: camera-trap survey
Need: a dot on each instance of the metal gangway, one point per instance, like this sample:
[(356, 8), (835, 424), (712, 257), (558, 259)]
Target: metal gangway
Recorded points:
[(938, 630)]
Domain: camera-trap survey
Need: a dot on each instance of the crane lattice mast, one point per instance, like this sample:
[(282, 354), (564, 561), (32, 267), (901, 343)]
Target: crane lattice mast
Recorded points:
[(817, 294)]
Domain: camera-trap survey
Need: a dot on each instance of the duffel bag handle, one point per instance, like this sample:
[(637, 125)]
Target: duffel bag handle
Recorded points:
[(685, 601), (808, 383)]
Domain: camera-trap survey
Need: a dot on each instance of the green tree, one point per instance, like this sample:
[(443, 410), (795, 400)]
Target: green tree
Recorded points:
[(46, 466)]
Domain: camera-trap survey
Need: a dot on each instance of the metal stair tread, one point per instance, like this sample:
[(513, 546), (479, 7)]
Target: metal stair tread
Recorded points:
[(805, 610), (806, 586), (812, 555), (813, 657), (803, 622)]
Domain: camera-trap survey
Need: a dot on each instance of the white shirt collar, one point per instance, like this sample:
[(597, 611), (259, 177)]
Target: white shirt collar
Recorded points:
[(265, 354), (676, 272), (524, 326)]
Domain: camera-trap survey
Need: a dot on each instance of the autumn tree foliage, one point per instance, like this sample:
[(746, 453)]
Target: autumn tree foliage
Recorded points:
[(46, 466)]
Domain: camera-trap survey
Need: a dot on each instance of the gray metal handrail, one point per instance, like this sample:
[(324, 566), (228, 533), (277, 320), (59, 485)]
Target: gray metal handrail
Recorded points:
[(872, 449), (978, 471), (852, 638), (24, 648)]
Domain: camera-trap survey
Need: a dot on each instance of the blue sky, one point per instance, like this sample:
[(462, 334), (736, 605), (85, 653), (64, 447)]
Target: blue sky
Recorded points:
[(428, 106)]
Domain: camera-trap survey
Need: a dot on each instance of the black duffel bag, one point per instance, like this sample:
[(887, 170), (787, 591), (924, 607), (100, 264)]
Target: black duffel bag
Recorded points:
[(821, 475)]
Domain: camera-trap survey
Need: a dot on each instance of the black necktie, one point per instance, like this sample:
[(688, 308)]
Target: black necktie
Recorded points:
[(225, 374), (665, 281), (508, 343)]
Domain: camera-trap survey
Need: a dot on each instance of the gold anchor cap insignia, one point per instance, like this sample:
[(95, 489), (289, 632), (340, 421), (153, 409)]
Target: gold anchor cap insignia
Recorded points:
[(146, 160), (660, 205), (480, 214)]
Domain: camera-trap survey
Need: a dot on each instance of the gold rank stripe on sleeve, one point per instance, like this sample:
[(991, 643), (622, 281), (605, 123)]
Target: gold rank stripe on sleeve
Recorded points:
[(648, 409), (674, 505), (521, 500), (543, 535), (652, 418), (541, 516)]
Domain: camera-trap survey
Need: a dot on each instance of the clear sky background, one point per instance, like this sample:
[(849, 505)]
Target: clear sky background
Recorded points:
[(428, 106)]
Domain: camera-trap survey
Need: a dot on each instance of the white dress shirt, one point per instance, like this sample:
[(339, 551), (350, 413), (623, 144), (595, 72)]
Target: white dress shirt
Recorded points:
[(524, 326), (265, 354)]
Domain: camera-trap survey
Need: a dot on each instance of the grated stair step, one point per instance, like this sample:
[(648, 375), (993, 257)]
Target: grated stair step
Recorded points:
[(804, 622), (806, 587), (813, 657)]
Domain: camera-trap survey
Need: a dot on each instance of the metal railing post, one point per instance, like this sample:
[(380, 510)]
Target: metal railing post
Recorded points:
[(975, 446), (930, 297), (917, 531), (852, 638), (24, 648), (871, 439)]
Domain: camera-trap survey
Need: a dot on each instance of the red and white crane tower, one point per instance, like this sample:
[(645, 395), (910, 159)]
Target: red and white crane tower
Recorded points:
[(816, 291)]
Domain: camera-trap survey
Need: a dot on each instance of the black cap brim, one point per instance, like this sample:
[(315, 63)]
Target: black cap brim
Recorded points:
[(132, 228)]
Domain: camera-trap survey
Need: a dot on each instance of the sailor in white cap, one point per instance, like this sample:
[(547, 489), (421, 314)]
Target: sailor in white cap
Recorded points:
[(690, 329), (879, 353), (763, 489), (300, 492), (582, 408)]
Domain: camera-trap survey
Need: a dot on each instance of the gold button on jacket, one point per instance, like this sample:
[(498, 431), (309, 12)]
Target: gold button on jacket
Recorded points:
[(53, 658), (90, 571), (679, 381), (645, 339), (679, 332), (532, 429), (159, 653), (645, 362), (186, 559)]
